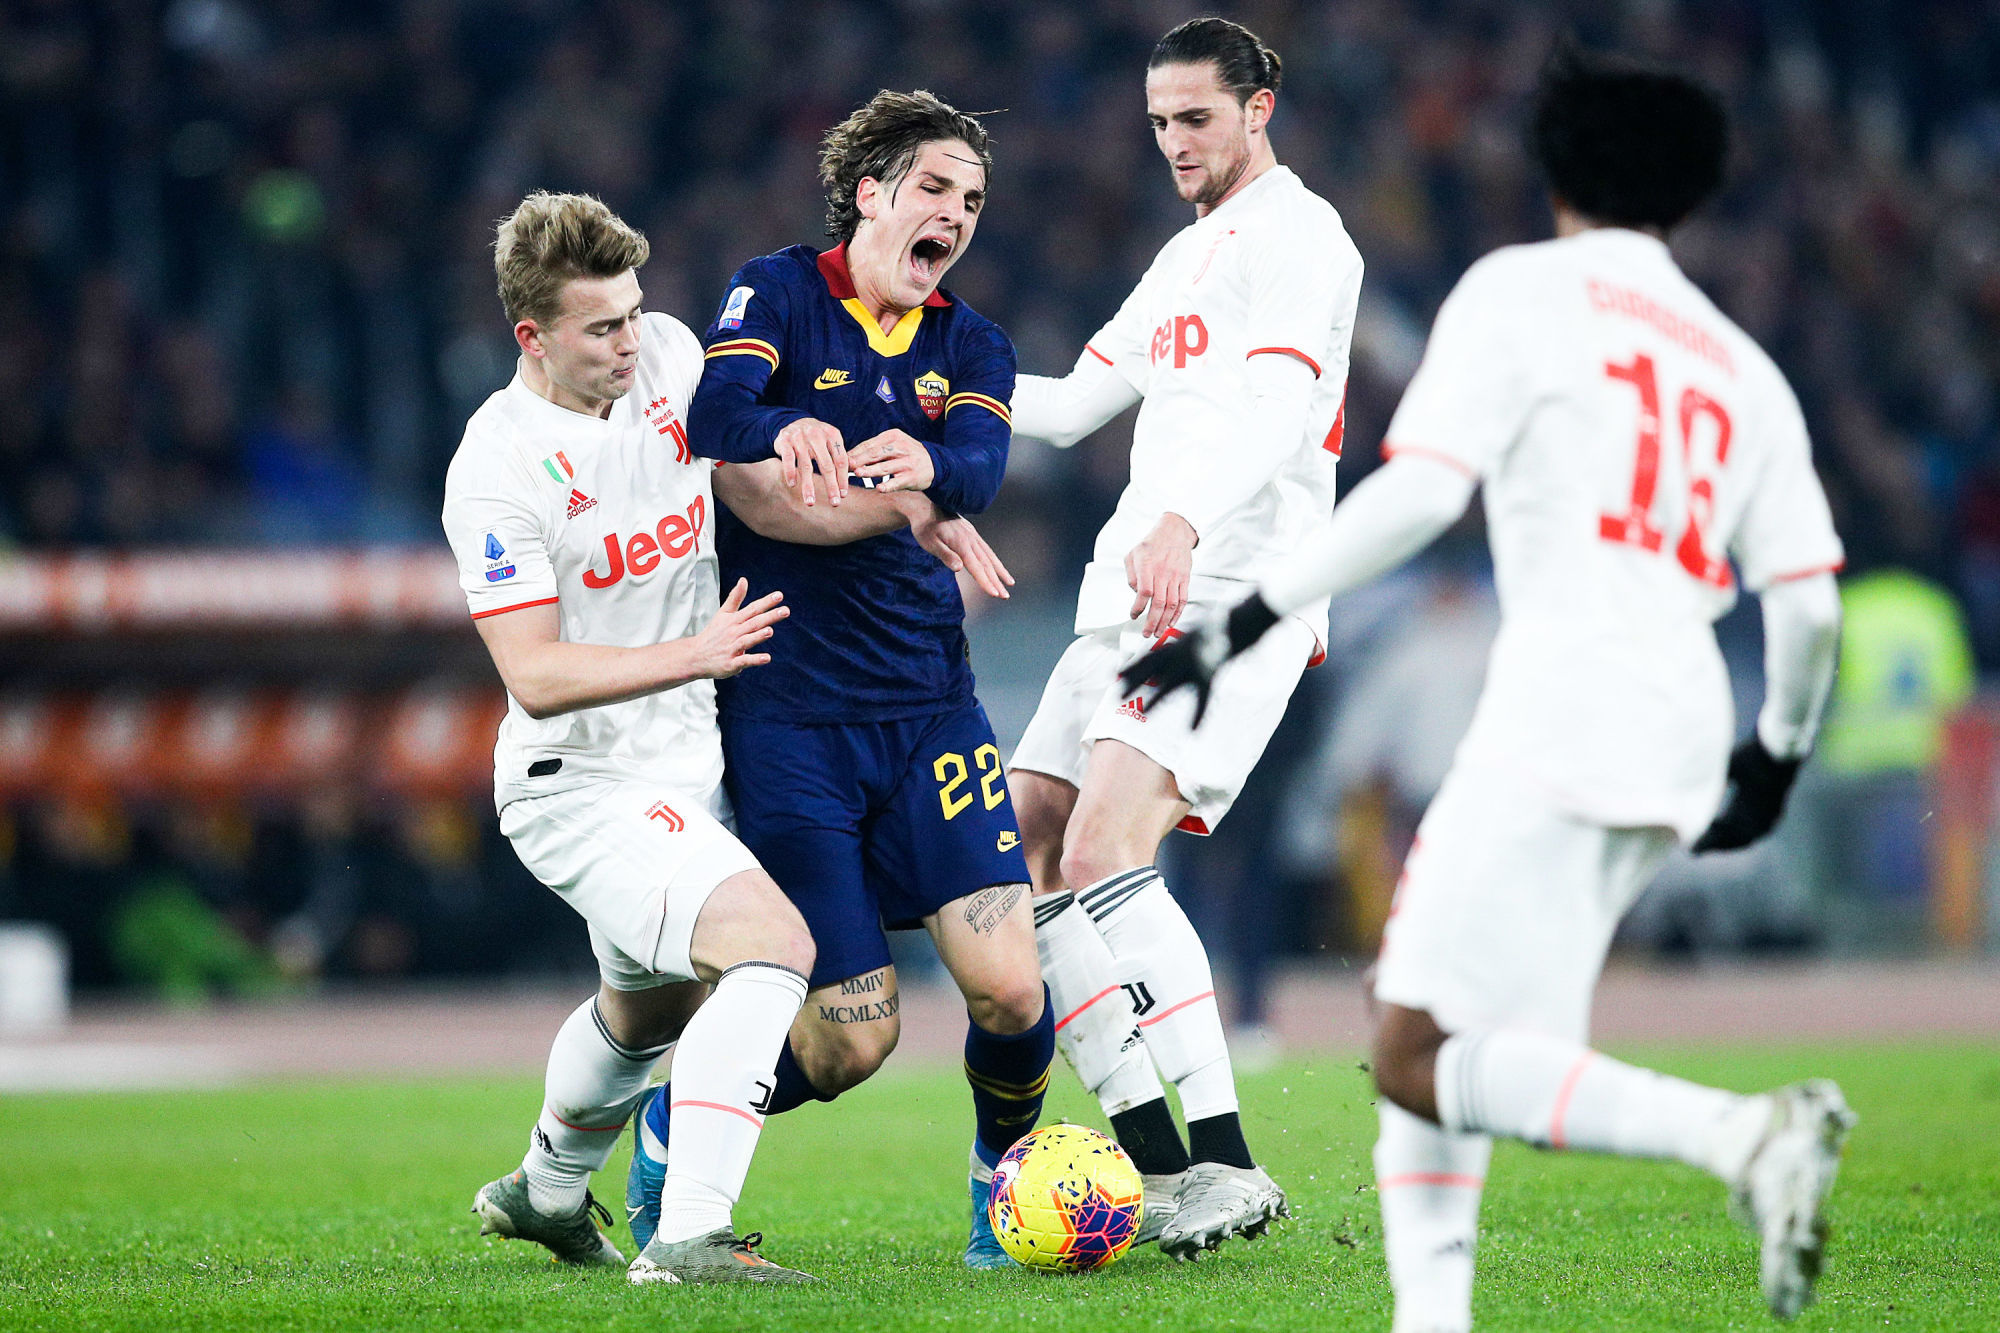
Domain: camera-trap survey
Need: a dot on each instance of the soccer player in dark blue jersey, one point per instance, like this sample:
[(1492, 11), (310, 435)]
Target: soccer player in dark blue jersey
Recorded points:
[(864, 773)]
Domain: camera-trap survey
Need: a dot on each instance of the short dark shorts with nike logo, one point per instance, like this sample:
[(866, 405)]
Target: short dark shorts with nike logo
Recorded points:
[(873, 826)]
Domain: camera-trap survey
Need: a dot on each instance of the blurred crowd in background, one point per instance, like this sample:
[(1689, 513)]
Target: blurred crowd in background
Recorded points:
[(245, 250)]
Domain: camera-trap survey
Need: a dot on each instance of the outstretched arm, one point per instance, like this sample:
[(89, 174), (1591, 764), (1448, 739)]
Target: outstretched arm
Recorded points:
[(1063, 411), (1395, 513), (548, 675)]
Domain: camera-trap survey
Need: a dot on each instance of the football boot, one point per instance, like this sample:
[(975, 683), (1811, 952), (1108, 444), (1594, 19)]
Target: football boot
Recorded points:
[(505, 1210), (1216, 1202), (719, 1256)]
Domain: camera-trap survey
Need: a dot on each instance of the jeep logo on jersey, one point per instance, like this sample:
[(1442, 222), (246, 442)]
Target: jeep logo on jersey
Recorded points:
[(1185, 337), (677, 536), (932, 390)]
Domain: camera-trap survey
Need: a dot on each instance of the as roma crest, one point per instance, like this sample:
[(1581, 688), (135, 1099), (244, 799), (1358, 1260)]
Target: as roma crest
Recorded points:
[(932, 390)]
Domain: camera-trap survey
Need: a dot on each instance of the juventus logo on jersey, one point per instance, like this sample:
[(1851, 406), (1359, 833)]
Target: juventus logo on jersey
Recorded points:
[(1143, 1002), (766, 1093)]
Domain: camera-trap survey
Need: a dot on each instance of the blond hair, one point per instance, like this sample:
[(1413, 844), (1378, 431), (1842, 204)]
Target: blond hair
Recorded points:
[(550, 240)]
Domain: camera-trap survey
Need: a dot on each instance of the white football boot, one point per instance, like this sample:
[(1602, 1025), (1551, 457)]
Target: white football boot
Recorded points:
[(1787, 1180), (1217, 1202), (1162, 1202)]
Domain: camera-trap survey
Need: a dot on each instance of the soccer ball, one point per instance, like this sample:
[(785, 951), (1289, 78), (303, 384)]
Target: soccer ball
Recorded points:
[(1066, 1199)]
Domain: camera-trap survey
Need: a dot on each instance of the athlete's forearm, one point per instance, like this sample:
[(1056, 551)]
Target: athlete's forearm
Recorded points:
[(1270, 432), (727, 421), (972, 461), (1063, 411), (1396, 512), (757, 495), (549, 679), (1801, 644)]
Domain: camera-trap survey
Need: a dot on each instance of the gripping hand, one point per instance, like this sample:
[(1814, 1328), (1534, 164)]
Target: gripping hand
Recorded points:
[(1194, 657)]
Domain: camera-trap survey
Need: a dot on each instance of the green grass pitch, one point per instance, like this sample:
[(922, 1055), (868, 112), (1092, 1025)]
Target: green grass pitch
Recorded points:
[(342, 1204)]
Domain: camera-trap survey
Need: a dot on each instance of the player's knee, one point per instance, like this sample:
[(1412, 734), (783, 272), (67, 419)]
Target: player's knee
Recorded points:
[(1012, 1006), (849, 1062), (748, 919), (1087, 859), (1405, 1058)]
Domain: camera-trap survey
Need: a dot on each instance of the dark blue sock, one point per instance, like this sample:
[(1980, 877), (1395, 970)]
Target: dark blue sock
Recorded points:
[(1009, 1078), (793, 1088)]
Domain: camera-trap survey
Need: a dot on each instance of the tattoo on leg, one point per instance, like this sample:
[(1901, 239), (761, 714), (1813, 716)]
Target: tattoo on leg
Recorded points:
[(989, 907), (867, 985), (860, 1013)]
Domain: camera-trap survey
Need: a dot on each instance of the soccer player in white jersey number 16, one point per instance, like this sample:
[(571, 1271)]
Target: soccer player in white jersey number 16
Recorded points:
[(1237, 340), (1631, 440)]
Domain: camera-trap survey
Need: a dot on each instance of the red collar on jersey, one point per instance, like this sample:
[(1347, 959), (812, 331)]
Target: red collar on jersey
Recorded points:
[(840, 282)]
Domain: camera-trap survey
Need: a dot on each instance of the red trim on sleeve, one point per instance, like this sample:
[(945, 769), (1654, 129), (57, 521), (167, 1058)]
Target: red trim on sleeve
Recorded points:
[(1797, 574), (1099, 355), (518, 606), (1285, 351), (1336, 434), (1390, 450)]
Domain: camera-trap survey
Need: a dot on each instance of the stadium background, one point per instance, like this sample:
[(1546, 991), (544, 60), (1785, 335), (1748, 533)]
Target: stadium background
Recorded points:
[(245, 727)]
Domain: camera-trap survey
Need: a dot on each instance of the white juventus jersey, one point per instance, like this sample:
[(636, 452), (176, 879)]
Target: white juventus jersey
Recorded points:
[(1271, 271), (608, 520), (1631, 440)]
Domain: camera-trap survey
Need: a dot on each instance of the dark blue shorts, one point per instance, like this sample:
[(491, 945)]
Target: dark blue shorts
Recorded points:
[(873, 825)]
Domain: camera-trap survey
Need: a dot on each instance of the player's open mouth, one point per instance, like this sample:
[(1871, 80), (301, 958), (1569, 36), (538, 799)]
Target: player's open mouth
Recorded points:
[(929, 255)]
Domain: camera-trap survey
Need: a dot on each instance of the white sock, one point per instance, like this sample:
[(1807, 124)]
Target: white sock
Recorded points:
[(1156, 948), (592, 1084), (1560, 1094), (1094, 1027), (1429, 1184), (722, 1080)]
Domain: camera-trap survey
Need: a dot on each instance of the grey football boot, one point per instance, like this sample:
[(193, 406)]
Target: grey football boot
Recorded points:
[(1217, 1202), (1782, 1189), (719, 1256), (505, 1210), (1162, 1202)]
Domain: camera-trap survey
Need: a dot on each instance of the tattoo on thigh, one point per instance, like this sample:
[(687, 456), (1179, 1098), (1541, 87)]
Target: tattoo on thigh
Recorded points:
[(989, 907), (867, 985), (859, 1013)]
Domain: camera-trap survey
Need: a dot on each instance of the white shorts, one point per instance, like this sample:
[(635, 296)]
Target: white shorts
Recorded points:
[(637, 860), (1084, 702), (1507, 905)]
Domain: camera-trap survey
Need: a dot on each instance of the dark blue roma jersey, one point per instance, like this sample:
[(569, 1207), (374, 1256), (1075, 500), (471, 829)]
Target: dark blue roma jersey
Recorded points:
[(877, 627)]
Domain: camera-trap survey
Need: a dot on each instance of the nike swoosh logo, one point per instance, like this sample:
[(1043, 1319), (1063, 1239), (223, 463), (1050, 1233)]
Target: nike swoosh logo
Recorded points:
[(1007, 842), (832, 379)]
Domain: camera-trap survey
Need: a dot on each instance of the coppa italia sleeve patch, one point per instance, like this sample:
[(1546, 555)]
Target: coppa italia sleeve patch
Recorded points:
[(734, 308)]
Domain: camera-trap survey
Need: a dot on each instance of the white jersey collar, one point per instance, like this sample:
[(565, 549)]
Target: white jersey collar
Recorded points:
[(1255, 188)]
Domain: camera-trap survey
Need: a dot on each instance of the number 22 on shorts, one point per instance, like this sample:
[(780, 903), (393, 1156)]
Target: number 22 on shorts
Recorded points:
[(951, 772)]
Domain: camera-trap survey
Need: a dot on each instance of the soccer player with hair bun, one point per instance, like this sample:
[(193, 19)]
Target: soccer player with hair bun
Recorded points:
[(1236, 340), (1637, 450)]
